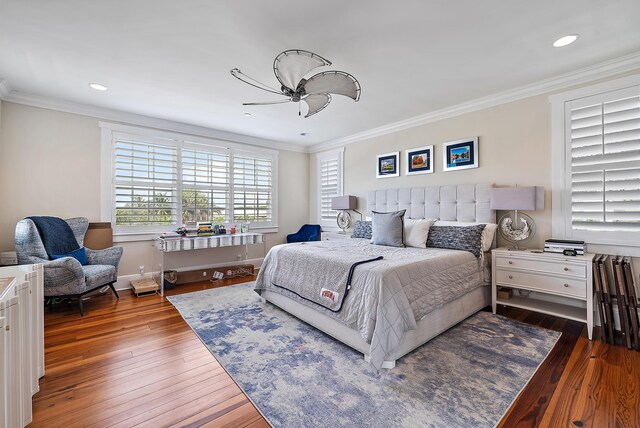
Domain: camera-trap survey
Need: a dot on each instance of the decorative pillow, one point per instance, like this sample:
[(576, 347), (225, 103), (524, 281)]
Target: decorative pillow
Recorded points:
[(80, 255), (362, 229), (467, 238), (416, 231), (388, 228), (487, 234)]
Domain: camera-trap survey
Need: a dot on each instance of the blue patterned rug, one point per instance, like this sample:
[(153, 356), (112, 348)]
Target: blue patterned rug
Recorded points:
[(299, 377)]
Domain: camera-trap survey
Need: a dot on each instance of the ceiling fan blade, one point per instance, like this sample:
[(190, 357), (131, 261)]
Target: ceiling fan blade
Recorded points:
[(291, 66), (316, 103), (266, 103), (235, 72), (333, 82)]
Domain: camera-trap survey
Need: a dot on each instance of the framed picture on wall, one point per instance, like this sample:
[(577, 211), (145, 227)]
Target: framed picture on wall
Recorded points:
[(460, 154), (419, 160), (388, 165)]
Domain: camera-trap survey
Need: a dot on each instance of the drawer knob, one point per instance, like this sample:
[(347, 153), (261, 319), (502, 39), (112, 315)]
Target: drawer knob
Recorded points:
[(566, 269), (566, 285), (7, 327), (510, 276), (510, 262)]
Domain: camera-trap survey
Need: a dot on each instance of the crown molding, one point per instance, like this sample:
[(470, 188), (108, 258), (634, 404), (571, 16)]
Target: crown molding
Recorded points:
[(141, 120), (564, 81), (5, 89)]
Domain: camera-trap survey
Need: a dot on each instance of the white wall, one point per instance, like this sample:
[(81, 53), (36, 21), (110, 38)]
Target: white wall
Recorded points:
[(50, 165), (514, 148)]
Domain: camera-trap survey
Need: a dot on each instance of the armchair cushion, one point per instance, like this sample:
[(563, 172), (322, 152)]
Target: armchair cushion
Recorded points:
[(97, 275), (80, 255)]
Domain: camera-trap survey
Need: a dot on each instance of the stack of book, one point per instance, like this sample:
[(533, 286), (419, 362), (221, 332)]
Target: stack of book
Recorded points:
[(205, 229), (559, 245)]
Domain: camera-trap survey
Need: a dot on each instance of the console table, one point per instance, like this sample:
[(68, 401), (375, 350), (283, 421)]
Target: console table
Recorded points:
[(166, 247)]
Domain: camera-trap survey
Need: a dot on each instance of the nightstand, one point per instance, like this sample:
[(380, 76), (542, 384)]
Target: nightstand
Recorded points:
[(332, 236), (548, 283)]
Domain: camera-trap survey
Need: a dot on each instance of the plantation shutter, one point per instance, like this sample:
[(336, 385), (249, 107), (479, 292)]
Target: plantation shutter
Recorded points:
[(253, 189), (604, 136), (145, 181), (330, 185), (205, 185)]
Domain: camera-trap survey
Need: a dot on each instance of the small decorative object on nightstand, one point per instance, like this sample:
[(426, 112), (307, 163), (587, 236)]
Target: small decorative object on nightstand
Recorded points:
[(548, 283)]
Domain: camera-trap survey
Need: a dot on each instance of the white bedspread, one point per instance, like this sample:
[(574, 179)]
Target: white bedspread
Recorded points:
[(388, 297)]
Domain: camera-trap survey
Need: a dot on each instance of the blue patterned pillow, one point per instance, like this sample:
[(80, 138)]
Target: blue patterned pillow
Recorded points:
[(457, 238), (362, 229)]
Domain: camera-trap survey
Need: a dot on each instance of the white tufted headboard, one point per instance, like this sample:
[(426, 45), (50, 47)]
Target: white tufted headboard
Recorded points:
[(465, 202)]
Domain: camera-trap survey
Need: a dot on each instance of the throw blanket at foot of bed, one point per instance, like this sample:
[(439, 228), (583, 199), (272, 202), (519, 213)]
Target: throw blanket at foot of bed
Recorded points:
[(318, 275)]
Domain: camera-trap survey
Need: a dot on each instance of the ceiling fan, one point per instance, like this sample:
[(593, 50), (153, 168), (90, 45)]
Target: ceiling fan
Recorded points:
[(290, 67)]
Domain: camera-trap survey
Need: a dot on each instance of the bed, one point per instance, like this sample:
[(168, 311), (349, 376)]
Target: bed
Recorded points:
[(398, 298)]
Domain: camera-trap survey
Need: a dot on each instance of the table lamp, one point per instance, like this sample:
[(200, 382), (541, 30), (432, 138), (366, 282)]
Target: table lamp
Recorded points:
[(516, 227), (343, 204)]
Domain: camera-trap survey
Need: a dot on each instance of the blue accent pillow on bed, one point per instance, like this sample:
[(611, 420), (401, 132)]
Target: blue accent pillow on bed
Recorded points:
[(362, 229), (467, 238), (80, 255), (388, 228)]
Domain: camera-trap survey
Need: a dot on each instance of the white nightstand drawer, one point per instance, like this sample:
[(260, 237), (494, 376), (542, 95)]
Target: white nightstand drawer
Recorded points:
[(555, 267), (556, 285)]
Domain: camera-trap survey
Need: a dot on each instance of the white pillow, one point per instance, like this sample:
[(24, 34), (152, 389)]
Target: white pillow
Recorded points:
[(416, 231), (488, 232)]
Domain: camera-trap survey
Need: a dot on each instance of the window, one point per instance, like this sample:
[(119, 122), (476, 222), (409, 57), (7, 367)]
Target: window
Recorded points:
[(601, 186), (329, 185), (157, 183), (145, 178)]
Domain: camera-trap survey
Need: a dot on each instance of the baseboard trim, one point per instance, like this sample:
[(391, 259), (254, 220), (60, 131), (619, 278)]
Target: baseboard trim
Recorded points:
[(124, 281)]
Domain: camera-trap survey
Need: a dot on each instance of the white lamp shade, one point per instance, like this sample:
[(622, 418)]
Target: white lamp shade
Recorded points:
[(343, 203), (517, 198)]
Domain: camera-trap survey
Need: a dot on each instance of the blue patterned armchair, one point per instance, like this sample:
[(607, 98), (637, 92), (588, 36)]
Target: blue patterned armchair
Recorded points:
[(66, 277), (308, 232)]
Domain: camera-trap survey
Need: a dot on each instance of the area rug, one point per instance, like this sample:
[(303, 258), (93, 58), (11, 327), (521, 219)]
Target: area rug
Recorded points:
[(299, 377)]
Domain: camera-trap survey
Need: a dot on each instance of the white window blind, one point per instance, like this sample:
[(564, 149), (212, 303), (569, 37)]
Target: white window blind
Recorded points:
[(253, 189), (205, 185), (145, 179), (159, 181), (604, 171), (330, 185)]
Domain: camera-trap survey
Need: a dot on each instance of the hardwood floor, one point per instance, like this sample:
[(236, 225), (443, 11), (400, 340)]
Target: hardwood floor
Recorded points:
[(135, 362)]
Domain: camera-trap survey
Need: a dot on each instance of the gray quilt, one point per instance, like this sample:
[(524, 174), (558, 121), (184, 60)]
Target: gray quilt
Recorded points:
[(389, 296)]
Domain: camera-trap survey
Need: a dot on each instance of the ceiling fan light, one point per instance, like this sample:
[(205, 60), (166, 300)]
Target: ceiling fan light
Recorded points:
[(565, 40)]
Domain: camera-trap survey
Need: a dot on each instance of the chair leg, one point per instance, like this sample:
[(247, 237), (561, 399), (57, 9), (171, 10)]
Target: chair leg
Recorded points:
[(114, 291), (81, 308)]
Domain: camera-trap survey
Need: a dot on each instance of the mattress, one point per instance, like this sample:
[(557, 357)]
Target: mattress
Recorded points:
[(387, 297)]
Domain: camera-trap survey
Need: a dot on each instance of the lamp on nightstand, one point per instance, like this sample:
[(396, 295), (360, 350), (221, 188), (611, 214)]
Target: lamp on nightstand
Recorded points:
[(517, 227), (343, 204)]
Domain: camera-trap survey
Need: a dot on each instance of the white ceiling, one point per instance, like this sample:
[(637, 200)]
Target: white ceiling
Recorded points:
[(171, 59)]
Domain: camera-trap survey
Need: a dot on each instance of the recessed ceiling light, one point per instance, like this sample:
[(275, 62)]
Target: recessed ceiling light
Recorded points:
[(565, 40), (98, 87), (247, 114), (304, 134)]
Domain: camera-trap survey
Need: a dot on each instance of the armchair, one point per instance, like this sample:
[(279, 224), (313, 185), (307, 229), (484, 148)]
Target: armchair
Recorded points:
[(66, 277), (308, 232)]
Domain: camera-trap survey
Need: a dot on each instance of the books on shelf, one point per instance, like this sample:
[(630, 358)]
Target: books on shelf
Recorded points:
[(560, 245)]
